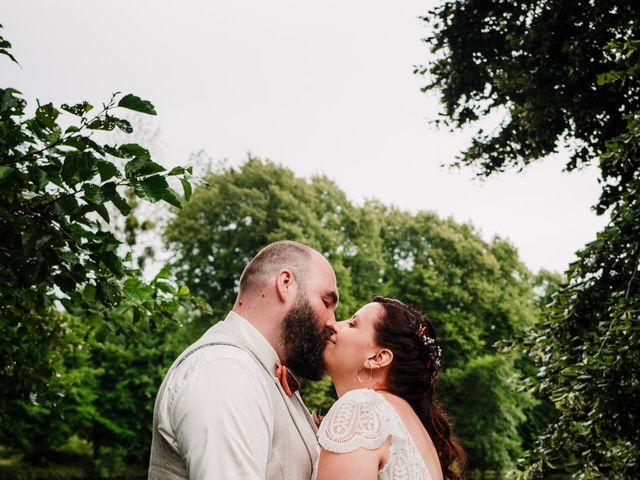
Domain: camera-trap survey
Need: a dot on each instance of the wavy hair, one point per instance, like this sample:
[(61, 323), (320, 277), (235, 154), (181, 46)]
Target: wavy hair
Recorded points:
[(412, 374)]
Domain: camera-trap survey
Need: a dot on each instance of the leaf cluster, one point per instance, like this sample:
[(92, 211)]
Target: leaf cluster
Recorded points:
[(563, 71), (588, 349), (539, 66), (59, 259)]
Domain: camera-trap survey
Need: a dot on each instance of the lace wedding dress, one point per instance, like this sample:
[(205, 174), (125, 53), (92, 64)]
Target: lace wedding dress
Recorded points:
[(364, 418)]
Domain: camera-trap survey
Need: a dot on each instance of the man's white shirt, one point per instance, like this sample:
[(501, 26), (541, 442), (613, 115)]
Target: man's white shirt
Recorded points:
[(217, 412)]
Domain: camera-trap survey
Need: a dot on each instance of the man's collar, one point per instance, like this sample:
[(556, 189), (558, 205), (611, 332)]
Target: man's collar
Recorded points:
[(260, 346)]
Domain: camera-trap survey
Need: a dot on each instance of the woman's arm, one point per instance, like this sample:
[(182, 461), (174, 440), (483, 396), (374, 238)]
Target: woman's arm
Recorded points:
[(358, 464)]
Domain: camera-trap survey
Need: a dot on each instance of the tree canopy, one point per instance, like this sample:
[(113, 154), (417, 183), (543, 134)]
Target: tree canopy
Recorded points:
[(476, 292), (538, 66), (563, 74), (66, 282)]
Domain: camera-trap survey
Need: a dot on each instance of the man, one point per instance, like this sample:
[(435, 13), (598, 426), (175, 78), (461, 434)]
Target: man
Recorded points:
[(222, 412)]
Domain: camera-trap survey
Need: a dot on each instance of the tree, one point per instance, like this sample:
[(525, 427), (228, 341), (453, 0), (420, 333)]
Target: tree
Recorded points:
[(475, 292), (489, 424), (243, 210), (564, 72), (536, 64), (60, 262)]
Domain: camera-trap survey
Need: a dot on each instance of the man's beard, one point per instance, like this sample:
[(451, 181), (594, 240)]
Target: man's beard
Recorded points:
[(304, 340)]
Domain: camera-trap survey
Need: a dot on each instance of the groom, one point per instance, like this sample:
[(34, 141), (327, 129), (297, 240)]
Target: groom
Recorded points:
[(227, 408)]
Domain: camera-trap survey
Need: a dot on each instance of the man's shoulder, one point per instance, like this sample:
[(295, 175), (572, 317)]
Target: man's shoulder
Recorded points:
[(216, 367), (219, 341), (217, 355)]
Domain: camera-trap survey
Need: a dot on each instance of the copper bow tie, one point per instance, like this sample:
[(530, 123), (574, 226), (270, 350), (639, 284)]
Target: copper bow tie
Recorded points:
[(289, 383)]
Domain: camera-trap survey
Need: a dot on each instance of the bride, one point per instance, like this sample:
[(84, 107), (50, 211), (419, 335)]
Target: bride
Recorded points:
[(385, 424)]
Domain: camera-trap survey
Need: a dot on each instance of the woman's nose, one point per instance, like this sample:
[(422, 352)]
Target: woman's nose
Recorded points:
[(341, 325)]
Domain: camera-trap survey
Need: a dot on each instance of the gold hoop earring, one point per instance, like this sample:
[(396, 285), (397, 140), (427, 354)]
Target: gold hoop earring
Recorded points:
[(370, 373)]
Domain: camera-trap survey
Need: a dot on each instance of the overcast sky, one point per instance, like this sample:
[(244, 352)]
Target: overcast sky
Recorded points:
[(320, 86)]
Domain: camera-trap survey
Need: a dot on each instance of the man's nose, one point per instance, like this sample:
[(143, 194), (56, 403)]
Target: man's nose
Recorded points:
[(331, 322)]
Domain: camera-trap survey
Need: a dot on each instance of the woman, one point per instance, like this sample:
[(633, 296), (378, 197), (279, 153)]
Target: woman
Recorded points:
[(385, 424)]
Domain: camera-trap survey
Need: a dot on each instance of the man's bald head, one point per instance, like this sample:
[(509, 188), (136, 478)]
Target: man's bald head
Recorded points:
[(285, 254)]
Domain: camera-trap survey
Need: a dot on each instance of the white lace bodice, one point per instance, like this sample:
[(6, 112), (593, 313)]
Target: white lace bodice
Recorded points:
[(364, 418)]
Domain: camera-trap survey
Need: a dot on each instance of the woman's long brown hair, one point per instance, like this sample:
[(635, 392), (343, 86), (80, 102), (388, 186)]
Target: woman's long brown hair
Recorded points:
[(412, 377)]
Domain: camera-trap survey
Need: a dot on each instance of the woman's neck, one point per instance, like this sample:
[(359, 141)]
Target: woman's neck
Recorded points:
[(344, 386)]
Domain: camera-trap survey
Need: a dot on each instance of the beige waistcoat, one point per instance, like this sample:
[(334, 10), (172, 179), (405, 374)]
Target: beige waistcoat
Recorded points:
[(293, 451)]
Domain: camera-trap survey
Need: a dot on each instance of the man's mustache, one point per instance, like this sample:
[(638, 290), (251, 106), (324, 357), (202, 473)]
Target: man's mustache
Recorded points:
[(327, 333)]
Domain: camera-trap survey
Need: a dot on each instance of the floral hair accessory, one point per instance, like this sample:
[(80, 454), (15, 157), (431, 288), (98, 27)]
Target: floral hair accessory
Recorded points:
[(434, 350)]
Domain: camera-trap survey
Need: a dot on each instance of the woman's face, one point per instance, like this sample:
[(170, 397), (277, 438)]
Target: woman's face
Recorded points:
[(348, 350)]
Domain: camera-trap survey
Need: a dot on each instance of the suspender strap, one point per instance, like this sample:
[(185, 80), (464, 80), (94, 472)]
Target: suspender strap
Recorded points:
[(188, 354)]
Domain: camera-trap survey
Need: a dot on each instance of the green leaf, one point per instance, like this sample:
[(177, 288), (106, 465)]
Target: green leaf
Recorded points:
[(107, 123), (152, 188), (39, 178), (130, 150), (108, 190), (103, 212), (78, 109), (115, 152), (113, 263), (133, 102), (93, 193), (5, 172), (186, 186), (4, 51), (136, 290), (89, 293), (164, 272), (183, 291), (108, 293), (72, 307), (75, 142), (46, 115), (171, 197), (140, 166), (107, 170), (123, 124), (65, 282), (67, 205), (121, 204), (78, 167)]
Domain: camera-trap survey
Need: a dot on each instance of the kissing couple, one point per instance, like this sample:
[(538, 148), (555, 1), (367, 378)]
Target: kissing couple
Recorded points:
[(228, 407)]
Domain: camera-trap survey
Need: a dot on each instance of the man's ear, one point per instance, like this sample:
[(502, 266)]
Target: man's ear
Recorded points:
[(380, 360), (286, 285)]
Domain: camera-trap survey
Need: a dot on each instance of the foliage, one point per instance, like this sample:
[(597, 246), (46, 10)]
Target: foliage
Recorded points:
[(536, 64), (64, 275), (488, 420), (476, 292), (131, 366), (242, 211), (564, 71), (589, 349)]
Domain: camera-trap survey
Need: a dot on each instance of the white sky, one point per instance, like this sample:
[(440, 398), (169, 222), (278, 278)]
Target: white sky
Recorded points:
[(318, 86)]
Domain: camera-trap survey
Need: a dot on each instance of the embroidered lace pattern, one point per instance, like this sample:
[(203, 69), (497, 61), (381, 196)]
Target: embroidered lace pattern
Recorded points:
[(363, 418)]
